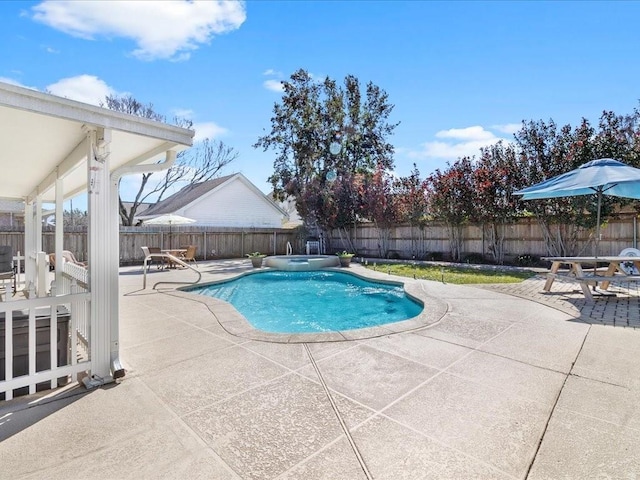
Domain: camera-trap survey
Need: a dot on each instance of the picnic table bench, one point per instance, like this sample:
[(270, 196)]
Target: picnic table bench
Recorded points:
[(614, 272)]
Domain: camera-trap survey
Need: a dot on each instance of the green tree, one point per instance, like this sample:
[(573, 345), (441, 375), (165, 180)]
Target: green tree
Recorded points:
[(495, 178), (546, 151), (413, 208), (326, 137), (380, 205), (200, 163), (451, 200)]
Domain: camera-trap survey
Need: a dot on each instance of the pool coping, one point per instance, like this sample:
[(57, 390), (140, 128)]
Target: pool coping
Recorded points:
[(234, 323)]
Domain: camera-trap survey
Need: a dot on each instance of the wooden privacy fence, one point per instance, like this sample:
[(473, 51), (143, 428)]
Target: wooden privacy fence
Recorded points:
[(524, 237), (210, 242)]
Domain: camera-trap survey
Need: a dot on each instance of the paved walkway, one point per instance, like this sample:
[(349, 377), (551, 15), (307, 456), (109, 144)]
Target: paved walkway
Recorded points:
[(499, 387)]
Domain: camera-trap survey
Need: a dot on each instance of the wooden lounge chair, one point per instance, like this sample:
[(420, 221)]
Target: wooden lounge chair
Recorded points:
[(190, 255), (154, 255)]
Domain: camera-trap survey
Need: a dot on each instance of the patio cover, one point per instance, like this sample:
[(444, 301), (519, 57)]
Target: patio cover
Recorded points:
[(52, 149), (40, 133)]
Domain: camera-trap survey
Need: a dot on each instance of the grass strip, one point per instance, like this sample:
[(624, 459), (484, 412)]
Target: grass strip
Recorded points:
[(454, 274)]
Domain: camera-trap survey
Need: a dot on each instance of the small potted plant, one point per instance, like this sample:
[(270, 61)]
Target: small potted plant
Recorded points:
[(345, 258), (256, 259)]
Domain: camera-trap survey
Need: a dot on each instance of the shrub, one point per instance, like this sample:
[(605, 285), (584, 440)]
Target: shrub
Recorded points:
[(435, 256), (475, 258), (527, 260)]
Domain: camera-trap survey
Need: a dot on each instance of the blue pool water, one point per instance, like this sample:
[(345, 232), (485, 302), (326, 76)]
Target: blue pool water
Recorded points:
[(317, 301)]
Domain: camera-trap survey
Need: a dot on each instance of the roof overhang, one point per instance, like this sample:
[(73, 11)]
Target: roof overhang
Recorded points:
[(43, 137)]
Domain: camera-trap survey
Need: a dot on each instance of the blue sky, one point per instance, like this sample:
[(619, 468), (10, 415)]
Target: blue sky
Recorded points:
[(460, 74)]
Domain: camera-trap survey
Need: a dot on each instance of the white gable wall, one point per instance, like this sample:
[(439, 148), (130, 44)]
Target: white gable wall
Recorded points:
[(234, 204)]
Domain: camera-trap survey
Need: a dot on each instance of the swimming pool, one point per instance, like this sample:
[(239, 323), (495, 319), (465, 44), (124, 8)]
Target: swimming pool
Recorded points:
[(311, 302)]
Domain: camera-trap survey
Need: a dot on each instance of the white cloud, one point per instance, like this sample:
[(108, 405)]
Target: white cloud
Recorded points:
[(208, 130), (83, 88), (510, 128), (168, 29), (273, 85), (272, 72), (458, 142), (469, 134)]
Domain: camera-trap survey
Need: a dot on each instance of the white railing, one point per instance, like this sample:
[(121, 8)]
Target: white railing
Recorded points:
[(39, 343), (18, 262), (75, 279)]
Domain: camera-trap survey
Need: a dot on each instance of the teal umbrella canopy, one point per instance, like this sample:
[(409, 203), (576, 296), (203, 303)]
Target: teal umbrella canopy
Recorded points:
[(599, 177)]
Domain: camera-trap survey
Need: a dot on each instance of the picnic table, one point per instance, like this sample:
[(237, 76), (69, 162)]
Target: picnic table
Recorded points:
[(577, 270)]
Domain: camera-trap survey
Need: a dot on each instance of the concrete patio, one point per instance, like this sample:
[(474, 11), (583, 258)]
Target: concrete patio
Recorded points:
[(508, 383)]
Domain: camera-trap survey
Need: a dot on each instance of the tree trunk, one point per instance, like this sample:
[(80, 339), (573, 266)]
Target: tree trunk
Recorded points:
[(455, 241)]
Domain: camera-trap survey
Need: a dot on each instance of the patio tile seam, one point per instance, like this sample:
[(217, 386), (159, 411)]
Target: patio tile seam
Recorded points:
[(439, 442), (478, 348), (517, 360), (194, 434), (336, 411), (147, 342), (414, 360), (598, 380), (241, 392), (599, 419), (171, 365), (445, 370), (555, 405), (318, 452)]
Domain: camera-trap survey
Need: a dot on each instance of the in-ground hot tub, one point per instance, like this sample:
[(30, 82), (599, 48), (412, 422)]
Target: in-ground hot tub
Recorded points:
[(301, 263)]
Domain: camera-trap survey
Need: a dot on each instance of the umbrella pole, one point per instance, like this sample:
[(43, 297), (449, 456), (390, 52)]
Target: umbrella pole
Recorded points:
[(597, 242)]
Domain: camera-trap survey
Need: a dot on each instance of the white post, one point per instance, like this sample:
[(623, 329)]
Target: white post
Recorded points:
[(113, 244), (41, 280), (59, 238), (104, 297), (29, 243)]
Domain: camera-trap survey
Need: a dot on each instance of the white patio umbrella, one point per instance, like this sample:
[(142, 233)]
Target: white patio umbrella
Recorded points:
[(169, 219), (598, 177)]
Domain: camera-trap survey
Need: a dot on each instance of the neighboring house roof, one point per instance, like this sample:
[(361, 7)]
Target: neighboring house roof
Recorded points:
[(194, 192), (184, 197), (142, 206)]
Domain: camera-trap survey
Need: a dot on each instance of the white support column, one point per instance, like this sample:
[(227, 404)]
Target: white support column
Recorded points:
[(38, 222), (59, 239), (29, 244), (103, 264), (113, 221), (40, 280)]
